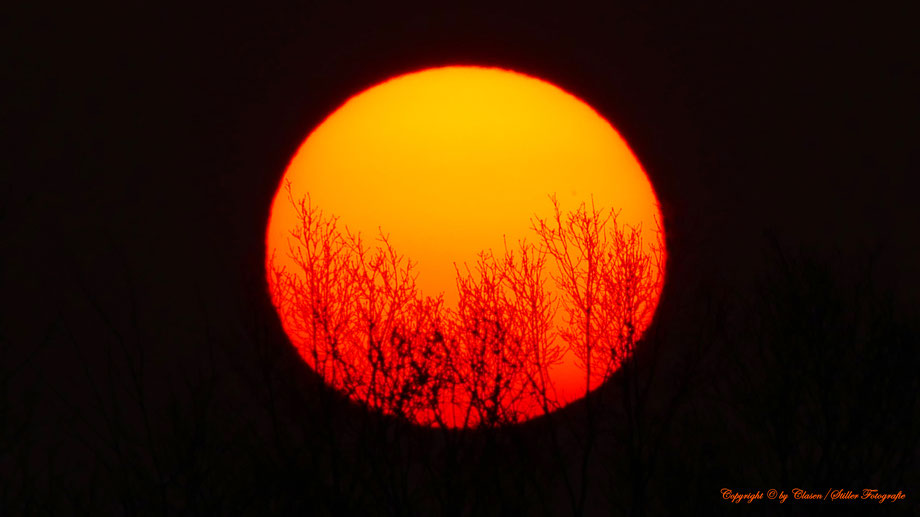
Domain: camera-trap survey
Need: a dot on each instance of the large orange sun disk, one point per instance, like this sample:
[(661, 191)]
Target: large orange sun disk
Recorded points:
[(455, 160)]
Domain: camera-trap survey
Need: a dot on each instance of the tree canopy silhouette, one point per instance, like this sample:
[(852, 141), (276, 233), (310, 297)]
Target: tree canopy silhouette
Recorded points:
[(355, 314)]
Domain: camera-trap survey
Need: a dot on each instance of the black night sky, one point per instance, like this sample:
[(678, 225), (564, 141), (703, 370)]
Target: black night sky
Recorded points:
[(143, 370)]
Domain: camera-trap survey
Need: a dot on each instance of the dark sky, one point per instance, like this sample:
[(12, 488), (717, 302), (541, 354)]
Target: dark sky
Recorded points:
[(166, 131), (144, 144)]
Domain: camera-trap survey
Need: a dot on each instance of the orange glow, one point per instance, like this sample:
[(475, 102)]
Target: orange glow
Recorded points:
[(451, 161)]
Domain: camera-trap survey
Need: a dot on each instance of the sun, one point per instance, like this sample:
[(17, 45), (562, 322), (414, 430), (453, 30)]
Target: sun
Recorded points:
[(446, 163)]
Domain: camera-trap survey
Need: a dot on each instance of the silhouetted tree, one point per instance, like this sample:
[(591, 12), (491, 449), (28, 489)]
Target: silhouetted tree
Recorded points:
[(828, 389), (609, 280), (533, 310), (503, 333), (356, 315)]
